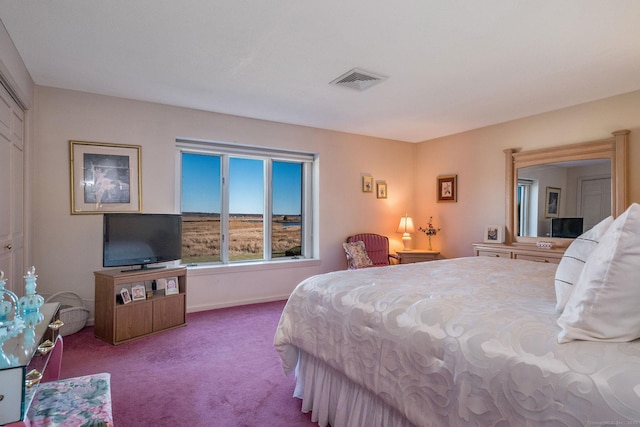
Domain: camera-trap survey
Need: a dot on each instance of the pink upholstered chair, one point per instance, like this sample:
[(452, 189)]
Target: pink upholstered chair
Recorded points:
[(377, 248)]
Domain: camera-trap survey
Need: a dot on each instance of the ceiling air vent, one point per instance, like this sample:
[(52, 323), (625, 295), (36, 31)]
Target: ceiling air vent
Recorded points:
[(358, 79)]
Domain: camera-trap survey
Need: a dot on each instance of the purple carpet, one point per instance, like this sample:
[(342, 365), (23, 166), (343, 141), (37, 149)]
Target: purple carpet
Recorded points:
[(219, 370)]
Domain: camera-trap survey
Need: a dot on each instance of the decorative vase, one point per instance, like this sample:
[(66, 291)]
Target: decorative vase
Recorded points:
[(31, 301), (430, 243)]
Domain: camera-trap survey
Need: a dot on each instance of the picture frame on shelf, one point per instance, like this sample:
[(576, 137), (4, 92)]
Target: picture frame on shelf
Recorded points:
[(494, 234), (552, 203), (171, 287), (105, 177), (381, 190), (138, 293), (447, 190), (124, 294), (367, 184)]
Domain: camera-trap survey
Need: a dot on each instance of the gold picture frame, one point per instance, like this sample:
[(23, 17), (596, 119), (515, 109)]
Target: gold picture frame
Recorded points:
[(447, 190), (105, 177), (381, 190), (367, 184)]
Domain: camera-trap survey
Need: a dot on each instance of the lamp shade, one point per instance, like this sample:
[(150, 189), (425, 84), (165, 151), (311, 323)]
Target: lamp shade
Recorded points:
[(406, 225)]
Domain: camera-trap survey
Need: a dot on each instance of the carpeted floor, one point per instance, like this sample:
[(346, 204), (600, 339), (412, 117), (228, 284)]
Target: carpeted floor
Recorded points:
[(219, 370)]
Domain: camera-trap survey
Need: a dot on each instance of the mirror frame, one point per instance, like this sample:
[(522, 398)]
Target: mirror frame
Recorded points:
[(614, 148)]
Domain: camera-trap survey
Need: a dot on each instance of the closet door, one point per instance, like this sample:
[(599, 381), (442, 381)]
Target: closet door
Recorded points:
[(11, 191)]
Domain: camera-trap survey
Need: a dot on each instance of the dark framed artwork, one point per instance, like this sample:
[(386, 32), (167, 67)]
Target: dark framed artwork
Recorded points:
[(447, 190), (105, 177), (552, 203)]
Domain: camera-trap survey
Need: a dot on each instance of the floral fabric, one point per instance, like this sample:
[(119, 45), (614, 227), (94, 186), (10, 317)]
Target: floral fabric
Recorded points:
[(81, 401), (357, 254)]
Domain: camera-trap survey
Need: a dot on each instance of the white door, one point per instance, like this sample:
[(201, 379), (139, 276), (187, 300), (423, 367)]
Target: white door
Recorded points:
[(11, 191), (595, 200)]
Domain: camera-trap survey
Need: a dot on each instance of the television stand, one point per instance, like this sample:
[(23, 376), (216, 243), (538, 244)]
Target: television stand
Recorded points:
[(117, 322)]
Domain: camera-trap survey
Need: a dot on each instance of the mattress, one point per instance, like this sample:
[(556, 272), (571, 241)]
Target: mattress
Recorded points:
[(460, 342)]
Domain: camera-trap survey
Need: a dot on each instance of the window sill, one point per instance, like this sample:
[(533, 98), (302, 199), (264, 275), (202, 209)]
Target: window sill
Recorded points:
[(208, 269)]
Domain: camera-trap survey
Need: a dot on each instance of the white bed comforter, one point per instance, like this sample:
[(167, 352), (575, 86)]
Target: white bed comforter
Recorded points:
[(461, 342)]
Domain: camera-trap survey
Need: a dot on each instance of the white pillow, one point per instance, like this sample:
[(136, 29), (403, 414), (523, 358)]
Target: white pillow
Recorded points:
[(574, 259), (357, 254), (604, 303)]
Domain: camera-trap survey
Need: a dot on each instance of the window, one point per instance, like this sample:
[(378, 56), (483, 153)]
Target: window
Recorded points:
[(242, 204), (524, 206)]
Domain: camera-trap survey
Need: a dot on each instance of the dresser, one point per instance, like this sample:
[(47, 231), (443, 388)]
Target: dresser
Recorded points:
[(527, 252), (417, 255), (19, 356)]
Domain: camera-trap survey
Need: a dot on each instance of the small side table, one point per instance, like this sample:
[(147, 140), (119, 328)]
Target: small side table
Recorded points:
[(417, 255)]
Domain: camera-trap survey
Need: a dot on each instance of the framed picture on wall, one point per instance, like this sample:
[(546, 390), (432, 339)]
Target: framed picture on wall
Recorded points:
[(447, 188), (381, 190), (105, 177), (367, 184), (552, 203)]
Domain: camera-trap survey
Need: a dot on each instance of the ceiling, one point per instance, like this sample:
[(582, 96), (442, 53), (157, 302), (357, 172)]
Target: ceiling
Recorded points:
[(452, 65)]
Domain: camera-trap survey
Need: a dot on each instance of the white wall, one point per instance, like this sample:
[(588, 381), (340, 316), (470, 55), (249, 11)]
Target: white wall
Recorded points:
[(68, 248)]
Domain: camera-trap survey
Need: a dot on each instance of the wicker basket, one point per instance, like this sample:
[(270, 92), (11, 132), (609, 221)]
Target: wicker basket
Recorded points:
[(74, 316)]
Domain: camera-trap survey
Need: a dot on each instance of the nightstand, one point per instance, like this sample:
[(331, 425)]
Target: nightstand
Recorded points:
[(417, 255)]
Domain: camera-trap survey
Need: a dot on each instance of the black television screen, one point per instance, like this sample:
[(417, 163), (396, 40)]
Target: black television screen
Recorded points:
[(141, 239), (566, 227)]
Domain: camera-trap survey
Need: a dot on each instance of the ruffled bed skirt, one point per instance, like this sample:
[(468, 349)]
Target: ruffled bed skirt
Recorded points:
[(335, 400)]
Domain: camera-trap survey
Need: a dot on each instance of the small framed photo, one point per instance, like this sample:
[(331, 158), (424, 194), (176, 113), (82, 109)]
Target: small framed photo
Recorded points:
[(367, 184), (138, 292), (447, 188), (552, 203), (494, 234), (381, 190), (124, 293), (171, 286)]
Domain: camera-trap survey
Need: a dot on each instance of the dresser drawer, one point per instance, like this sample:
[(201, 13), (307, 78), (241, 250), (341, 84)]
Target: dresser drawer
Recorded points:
[(495, 254), (536, 258)]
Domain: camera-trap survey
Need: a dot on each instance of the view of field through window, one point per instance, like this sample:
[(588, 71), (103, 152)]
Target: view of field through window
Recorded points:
[(201, 207)]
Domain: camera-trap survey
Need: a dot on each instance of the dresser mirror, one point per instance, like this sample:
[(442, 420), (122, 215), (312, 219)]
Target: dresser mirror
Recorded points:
[(555, 194)]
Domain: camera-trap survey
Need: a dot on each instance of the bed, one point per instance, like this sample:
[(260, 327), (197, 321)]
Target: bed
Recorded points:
[(459, 342)]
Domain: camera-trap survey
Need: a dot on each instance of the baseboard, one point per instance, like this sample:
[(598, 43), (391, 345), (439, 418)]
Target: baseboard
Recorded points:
[(205, 307)]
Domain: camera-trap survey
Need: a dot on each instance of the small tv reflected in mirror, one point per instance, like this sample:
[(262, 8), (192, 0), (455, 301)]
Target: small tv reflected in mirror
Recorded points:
[(566, 227)]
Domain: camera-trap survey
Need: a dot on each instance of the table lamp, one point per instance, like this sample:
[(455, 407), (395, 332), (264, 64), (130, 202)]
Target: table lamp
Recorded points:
[(406, 227)]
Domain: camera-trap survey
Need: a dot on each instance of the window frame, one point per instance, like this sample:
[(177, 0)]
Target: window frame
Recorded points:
[(525, 189), (309, 217)]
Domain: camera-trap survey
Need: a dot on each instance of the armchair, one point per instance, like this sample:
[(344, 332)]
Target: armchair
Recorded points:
[(376, 247)]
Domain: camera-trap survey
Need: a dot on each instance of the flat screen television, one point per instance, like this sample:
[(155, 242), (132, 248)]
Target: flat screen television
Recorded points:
[(136, 239), (566, 227)]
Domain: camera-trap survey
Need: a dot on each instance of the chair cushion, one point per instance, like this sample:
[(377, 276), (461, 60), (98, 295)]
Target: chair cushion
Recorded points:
[(79, 401), (357, 253)]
